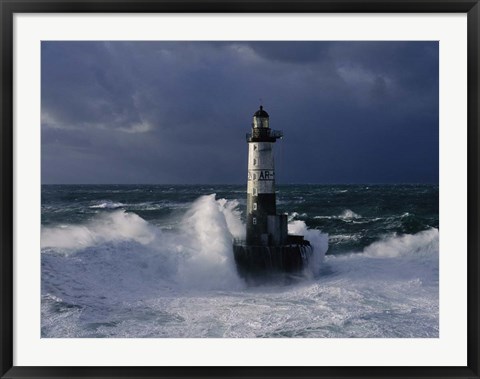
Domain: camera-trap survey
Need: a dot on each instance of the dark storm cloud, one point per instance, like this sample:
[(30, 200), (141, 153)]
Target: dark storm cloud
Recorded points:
[(177, 112)]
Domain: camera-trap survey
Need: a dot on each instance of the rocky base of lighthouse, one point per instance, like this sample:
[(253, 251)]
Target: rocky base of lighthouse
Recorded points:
[(291, 257)]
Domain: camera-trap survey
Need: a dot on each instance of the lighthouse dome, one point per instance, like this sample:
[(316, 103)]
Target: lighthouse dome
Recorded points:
[(260, 119), (261, 113)]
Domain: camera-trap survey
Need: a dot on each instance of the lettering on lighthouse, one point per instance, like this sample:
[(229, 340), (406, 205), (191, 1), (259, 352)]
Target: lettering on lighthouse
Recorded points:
[(261, 175)]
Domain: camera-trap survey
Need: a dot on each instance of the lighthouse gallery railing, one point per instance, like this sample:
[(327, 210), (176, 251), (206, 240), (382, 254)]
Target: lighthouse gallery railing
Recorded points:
[(263, 132)]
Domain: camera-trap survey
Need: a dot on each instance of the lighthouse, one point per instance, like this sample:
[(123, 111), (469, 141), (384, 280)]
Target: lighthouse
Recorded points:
[(268, 247)]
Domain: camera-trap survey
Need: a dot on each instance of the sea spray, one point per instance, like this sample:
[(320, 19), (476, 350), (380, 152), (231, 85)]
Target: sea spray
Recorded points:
[(424, 243), (116, 226), (199, 250), (233, 215), (318, 240), (207, 240), (391, 262)]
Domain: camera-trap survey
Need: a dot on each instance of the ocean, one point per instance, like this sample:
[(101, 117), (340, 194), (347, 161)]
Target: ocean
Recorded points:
[(156, 261)]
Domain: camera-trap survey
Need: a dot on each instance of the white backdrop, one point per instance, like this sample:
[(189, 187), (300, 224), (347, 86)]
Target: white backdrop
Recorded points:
[(449, 349)]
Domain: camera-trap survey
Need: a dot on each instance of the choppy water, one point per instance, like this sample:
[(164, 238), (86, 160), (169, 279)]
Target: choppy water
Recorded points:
[(156, 261)]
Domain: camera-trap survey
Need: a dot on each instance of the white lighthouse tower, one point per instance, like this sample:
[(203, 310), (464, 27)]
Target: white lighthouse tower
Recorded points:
[(261, 204), (268, 246)]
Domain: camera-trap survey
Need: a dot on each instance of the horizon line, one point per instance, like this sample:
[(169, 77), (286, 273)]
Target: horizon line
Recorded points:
[(238, 184)]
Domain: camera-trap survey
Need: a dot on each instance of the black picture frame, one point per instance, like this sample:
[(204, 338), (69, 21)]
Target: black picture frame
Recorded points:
[(9, 8)]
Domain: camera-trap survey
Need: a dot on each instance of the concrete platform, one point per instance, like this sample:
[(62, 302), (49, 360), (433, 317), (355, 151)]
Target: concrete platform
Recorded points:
[(261, 260)]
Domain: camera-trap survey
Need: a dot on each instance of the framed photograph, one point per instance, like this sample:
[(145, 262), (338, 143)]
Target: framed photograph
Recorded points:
[(240, 189)]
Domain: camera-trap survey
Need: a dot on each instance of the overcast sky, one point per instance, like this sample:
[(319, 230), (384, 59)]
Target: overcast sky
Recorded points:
[(178, 112)]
